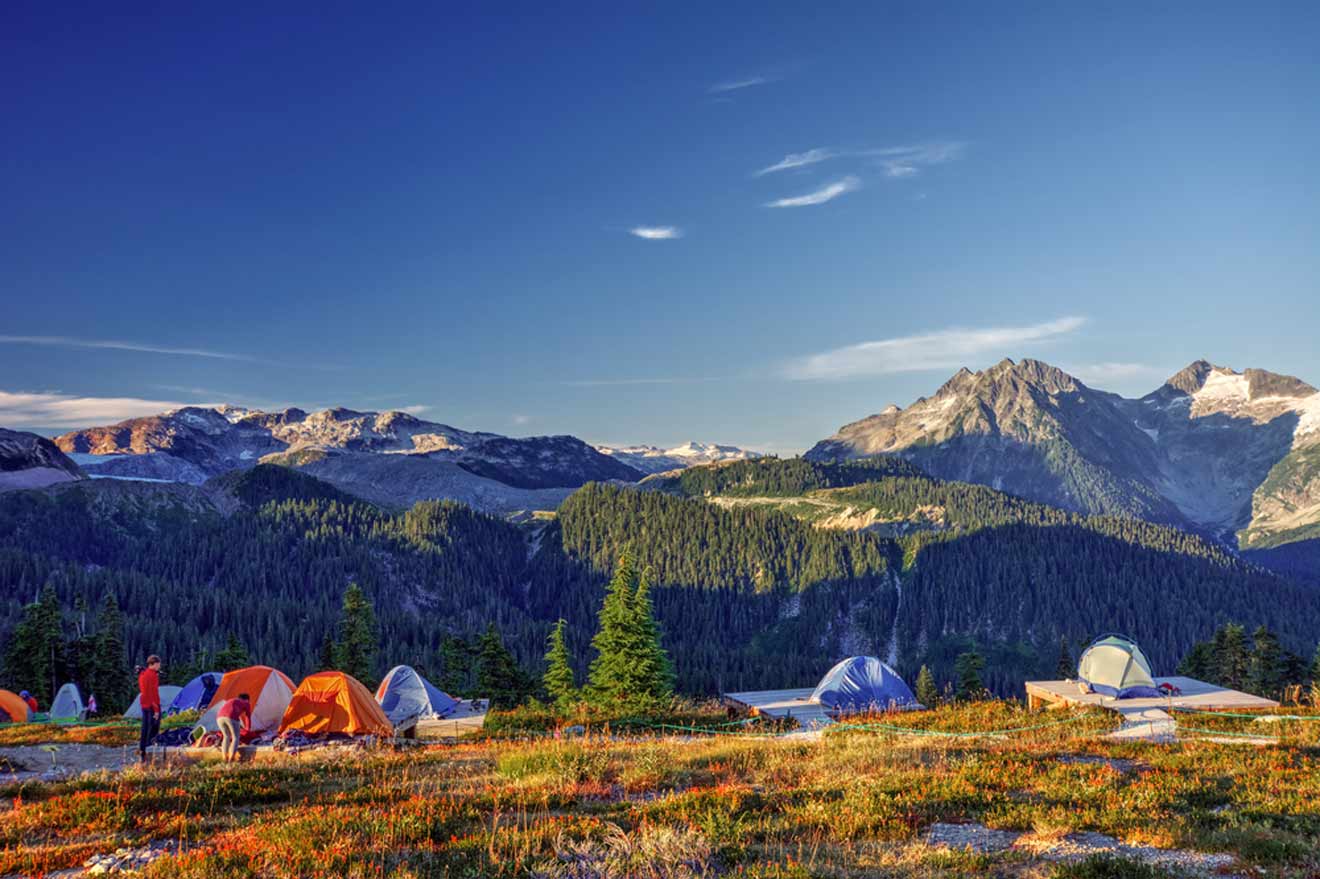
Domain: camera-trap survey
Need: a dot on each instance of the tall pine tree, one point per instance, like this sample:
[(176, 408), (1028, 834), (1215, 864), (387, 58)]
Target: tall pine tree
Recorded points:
[(968, 668), (233, 656), (109, 678), (631, 667), (928, 692), (559, 682), (499, 678), (355, 653), (1265, 670), (34, 656)]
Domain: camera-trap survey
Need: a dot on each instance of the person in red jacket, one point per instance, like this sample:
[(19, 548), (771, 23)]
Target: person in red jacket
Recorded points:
[(149, 693), (30, 700), (234, 719)]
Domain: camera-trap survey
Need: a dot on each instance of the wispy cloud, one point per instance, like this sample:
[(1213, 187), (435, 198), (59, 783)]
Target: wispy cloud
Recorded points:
[(799, 160), (520, 420), (656, 233), (733, 85), (415, 410), (69, 342), (908, 161), (826, 193), (55, 409), (944, 349)]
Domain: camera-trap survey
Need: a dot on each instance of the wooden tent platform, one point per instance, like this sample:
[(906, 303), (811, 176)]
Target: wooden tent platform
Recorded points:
[(1195, 694), (782, 703)]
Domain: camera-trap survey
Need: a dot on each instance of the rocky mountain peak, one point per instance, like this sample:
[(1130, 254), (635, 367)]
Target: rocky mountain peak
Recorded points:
[(1262, 383), (1191, 378)]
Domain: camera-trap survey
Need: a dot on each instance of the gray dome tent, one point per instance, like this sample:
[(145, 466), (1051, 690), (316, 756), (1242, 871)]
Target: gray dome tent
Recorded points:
[(68, 704), (1115, 666)]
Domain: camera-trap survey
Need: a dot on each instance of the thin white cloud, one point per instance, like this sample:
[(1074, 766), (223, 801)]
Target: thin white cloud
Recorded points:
[(826, 193), (415, 410), (55, 409), (68, 342), (799, 160), (656, 233), (734, 85), (520, 419), (908, 161), (945, 349)]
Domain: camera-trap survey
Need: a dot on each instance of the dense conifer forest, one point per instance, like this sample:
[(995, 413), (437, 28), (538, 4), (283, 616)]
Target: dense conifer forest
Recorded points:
[(745, 596)]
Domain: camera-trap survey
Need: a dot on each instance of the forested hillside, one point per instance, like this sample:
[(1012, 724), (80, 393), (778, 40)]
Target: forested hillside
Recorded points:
[(747, 596)]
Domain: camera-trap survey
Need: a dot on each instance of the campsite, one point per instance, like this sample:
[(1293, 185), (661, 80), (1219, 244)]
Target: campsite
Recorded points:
[(853, 777)]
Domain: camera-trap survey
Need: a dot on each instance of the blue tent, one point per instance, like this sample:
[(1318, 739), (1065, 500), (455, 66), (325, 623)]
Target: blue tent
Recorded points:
[(862, 683), (197, 694), (404, 695)]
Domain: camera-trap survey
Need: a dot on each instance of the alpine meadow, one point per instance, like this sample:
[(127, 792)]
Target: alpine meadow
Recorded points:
[(599, 442)]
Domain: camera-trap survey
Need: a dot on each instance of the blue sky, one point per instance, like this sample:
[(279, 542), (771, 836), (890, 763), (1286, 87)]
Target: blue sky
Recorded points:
[(646, 225)]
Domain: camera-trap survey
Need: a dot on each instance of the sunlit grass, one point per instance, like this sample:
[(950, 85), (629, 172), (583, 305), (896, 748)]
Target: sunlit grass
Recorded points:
[(847, 804)]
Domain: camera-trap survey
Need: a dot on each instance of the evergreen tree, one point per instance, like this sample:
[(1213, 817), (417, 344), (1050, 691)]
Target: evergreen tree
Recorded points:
[(326, 658), (968, 669), (1231, 656), (34, 657), (79, 651), (1265, 674), (1199, 663), (559, 682), (109, 677), (631, 667), (355, 653), (499, 678), (654, 672), (233, 656), (1066, 669), (610, 677), (458, 658), (928, 692)]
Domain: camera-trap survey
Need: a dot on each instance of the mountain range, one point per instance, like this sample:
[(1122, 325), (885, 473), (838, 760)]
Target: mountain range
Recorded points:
[(651, 459), (1229, 454), (1234, 456)]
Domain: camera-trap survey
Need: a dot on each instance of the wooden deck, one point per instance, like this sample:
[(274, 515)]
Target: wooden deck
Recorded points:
[(782, 703), (1195, 694), (1148, 719)]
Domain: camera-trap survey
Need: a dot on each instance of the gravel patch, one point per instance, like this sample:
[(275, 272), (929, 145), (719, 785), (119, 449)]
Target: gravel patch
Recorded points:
[(1072, 847)]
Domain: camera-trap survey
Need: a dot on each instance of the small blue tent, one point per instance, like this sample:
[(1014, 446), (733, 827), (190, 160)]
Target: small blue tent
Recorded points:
[(863, 683), (404, 695), (197, 694)]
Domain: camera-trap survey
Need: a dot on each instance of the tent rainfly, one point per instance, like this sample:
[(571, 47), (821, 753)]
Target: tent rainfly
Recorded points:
[(269, 688), (195, 695), (68, 704), (167, 693), (13, 709), (333, 702), (404, 695), (1115, 666), (863, 683)]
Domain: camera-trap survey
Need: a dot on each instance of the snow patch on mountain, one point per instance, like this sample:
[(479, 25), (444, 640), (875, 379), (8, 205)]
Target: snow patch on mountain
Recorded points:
[(653, 459)]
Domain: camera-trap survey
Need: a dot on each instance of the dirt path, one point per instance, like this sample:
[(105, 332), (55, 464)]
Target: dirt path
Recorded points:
[(27, 762)]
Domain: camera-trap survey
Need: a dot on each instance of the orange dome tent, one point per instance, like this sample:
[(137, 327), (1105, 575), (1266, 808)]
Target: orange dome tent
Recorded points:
[(12, 708), (333, 702), (269, 688)]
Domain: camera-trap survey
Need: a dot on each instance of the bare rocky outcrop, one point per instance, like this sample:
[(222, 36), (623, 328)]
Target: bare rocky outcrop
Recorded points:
[(31, 461)]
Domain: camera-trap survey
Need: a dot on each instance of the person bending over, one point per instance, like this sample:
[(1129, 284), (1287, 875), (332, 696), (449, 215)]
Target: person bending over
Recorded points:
[(235, 719)]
